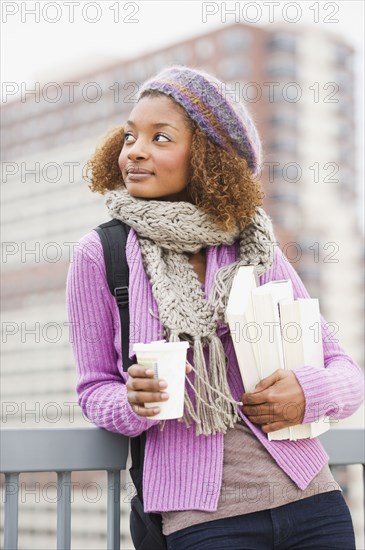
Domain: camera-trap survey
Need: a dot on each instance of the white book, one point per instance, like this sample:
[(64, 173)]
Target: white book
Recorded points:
[(265, 300), (240, 319), (271, 330), (302, 345)]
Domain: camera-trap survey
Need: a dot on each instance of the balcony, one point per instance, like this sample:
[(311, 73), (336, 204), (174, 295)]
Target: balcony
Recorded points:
[(86, 449)]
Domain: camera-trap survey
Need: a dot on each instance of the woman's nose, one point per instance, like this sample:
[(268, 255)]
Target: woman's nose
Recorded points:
[(137, 151)]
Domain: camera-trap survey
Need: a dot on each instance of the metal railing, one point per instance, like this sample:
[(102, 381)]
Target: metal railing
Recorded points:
[(62, 451), (80, 449)]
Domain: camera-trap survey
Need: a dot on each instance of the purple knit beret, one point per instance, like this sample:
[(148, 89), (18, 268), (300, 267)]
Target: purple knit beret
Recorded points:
[(214, 106)]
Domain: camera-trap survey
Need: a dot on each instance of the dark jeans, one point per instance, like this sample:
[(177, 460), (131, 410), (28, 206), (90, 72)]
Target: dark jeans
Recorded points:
[(320, 522)]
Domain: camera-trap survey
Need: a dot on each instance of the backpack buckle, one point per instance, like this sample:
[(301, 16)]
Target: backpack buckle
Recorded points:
[(121, 294)]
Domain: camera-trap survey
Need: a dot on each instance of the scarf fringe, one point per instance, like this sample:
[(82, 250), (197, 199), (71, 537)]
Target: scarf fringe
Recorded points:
[(213, 413), (218, 367)]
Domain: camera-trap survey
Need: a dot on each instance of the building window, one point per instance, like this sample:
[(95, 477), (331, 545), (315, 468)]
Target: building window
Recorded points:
[(284, 170), (204, 49), (344, 81), (158, 62), (345, 107), (282, 94), (345, 157), (286, 120), (309, 245), (207, 67), (287, 145), (285, 69), (106, 106), (8, 115), (137, 71), (308, 274), (346, 177), (285, 197), (120, 77), (17, 111), (103, 79), (234, 40), (345, 130), (230, 68), (84, 112), (181, 55), (290, 219), (282, 41), (343, 56)]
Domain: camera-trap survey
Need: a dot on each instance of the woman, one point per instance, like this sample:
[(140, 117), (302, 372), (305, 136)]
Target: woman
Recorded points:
[(182, 172)]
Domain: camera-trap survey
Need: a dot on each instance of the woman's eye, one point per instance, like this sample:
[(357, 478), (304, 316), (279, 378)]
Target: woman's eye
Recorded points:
[(159, 136), (128, 137)]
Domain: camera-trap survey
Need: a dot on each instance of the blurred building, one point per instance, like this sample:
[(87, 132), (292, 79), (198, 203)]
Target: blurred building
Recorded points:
[(299, 85)]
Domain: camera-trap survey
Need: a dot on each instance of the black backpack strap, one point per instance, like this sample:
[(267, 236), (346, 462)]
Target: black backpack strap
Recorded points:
[(113, 236), (138, 445)]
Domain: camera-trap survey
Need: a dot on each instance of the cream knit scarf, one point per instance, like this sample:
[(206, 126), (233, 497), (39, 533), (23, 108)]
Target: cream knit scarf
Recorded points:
[(166, 231)]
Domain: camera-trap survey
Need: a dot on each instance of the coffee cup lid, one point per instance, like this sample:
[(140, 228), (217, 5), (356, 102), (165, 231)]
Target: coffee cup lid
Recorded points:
[(160, 345)]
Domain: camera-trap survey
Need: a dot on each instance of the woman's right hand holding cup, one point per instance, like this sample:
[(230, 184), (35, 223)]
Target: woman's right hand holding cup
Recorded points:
[(143, 388)]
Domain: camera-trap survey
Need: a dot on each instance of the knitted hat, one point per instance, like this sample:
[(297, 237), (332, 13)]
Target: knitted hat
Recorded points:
[(214, 106)]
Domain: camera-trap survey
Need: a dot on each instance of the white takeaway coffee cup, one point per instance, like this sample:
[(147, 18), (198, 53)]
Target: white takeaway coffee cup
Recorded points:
[(168, 360)]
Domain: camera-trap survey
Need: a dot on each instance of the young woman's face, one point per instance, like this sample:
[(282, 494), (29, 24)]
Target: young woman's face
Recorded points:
[(155, 157)]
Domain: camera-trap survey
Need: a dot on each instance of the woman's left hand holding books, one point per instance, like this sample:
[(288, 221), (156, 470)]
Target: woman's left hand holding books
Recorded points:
[(276, 402)]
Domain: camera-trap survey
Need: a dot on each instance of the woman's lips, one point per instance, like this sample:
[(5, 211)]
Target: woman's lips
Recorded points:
[(138, 176), (138, 173)]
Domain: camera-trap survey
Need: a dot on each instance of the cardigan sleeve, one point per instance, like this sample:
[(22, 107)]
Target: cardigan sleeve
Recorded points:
[(336, 391), (94, 333)]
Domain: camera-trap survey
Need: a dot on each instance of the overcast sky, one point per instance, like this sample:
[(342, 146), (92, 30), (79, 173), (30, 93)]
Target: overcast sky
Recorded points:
[(121, 30)]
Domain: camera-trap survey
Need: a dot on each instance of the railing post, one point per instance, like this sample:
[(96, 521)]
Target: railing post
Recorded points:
[(63, 510), (113, 510), (11, 511)]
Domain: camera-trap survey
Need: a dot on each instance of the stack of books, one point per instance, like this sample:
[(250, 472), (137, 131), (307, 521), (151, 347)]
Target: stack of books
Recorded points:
[(270, 330)]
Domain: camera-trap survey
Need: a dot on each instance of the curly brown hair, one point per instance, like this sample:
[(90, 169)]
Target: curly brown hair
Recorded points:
[(221, 183)]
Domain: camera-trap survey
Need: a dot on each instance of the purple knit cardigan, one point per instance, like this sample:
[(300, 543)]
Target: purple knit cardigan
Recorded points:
[(183, 471)]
